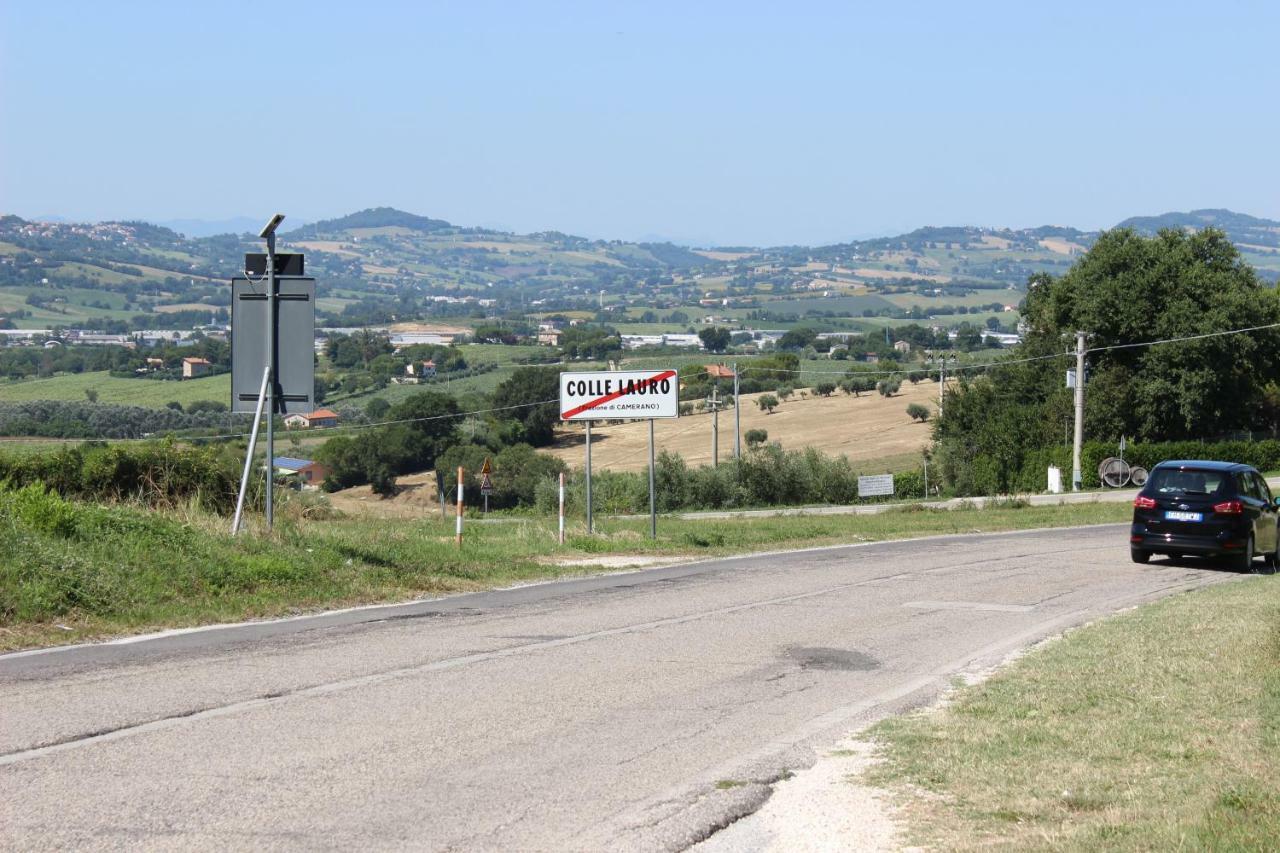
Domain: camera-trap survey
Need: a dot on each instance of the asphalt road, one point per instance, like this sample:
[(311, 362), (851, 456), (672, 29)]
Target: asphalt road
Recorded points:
[(581, 715)]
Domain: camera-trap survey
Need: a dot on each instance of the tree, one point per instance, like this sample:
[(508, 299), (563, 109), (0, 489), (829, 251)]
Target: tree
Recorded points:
[(856, 385), (756, 437), (785, 391), (767, 403), (825, 389), (1126, 290), (918, 412), (377, 408), (715, 338), (531, 398), (91, 395), (888, 387)]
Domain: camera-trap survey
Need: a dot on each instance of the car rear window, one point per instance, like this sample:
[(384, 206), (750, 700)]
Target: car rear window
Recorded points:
[(1187, 481)]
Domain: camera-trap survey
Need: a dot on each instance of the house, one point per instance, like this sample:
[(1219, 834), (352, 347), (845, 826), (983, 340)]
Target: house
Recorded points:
[(193, 367), (549, 337), (318, 418), (902, 346), (421, 369), (308, 474), (719, 371)]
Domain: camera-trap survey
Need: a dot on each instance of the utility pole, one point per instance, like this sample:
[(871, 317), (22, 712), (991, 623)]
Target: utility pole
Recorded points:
[(737, 416), (715, 427), (1077, 481)]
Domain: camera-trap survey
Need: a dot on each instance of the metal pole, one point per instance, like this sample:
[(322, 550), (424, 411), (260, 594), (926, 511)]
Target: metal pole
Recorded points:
[(1077, 482), (737, 416), (926, 478), (271, 377), (248, 457), (715, 428), (458, 517), (590, 528), (562, 508), (653, 492)]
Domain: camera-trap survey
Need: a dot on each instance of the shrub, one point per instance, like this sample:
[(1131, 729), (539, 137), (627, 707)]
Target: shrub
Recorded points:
[(767, 402), (756, 437), (825, 389), (888, 387), (918, 412)]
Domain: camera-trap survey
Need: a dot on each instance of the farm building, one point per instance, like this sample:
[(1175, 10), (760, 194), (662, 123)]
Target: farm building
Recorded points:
[(193, 367), (309, 474), (318, 418)]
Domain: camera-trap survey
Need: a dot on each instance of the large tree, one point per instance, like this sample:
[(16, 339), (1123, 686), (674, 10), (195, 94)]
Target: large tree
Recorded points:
[(529, 401), (1128, 293)]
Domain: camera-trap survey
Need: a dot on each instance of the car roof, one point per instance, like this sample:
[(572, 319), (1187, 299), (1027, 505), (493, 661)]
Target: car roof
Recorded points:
[(1205, 465)]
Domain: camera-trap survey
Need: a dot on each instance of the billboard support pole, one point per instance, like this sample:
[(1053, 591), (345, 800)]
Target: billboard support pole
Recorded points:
[(590, 528), (653, 499), (561, 507), (248, 457)]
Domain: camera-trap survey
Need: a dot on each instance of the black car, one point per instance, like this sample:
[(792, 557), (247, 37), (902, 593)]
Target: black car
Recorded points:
[(1205, 509)]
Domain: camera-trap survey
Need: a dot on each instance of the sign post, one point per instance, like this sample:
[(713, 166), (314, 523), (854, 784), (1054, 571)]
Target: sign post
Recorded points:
[(653, 502), (620, 395), (272, 339), (561, 507), (486, 484)]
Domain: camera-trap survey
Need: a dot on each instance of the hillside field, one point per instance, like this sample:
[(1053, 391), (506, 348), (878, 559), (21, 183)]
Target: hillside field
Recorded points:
[(866, 429), (130, 392)]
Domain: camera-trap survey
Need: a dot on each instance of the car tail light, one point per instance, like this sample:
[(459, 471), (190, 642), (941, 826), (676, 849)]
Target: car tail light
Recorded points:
[(1144, 502), (1229, 508)]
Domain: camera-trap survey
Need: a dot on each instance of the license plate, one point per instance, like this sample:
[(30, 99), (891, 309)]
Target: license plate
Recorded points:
[(1176, 515)]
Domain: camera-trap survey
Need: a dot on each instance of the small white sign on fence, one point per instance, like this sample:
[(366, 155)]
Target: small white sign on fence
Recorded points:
[(875, 485)]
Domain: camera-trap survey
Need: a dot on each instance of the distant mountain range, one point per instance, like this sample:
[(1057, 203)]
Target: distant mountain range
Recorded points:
[(376, 265)]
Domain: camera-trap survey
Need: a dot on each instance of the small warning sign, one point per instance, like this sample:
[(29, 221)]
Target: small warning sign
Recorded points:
[(486, 484), (486, 469)]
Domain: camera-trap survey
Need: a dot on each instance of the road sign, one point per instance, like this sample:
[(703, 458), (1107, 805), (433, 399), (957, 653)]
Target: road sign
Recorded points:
[(486, 484), (295, 343), (619, 395), (486, 469), (876, 484)]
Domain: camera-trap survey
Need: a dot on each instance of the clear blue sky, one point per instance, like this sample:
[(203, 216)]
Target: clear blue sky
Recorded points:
[(734, 122)]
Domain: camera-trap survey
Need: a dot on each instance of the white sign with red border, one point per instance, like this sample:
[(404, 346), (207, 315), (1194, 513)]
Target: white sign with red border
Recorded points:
[(617, 395)]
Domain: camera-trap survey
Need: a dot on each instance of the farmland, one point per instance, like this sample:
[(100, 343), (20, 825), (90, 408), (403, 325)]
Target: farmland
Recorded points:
[(110, 389)]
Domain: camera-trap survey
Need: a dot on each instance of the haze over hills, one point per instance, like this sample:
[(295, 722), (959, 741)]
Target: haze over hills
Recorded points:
[(385, 265)]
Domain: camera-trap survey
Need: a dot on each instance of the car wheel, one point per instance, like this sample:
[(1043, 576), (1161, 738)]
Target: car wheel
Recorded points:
[(1138, 555), (1244, 560)]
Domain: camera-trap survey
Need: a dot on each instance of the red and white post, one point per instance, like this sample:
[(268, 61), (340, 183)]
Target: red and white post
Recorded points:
[(562, 508), (458, 518)]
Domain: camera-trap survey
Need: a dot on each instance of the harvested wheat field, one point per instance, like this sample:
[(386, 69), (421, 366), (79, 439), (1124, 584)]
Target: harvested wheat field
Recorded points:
[(863, 428)]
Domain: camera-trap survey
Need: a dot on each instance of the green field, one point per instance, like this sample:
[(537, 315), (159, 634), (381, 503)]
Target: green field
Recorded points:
[(132, 392)]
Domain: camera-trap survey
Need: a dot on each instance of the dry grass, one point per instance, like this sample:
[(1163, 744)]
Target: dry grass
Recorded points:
[(869, 427)]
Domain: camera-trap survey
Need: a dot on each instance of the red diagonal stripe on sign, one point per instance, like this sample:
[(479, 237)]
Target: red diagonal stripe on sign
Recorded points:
[(591, 404)]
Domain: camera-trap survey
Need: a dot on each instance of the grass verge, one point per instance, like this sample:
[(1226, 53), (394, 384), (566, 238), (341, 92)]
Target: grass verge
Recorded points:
[(71, 571), (1157, 729)]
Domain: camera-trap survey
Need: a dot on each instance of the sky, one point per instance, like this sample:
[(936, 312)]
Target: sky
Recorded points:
[(736, 123)]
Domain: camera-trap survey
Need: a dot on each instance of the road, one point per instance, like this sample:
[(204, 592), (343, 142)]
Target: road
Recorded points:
[(596, 713)]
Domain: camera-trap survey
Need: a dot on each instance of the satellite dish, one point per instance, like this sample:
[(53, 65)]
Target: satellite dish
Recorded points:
[(1113, 472), (1138, 476)]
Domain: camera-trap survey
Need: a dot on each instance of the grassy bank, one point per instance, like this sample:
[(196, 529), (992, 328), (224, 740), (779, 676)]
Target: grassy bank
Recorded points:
[(1157, 729), (71, 571)]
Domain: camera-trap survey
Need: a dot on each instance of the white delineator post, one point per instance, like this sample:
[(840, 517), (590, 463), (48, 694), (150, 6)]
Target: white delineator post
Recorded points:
[(562, 508), (458, 518)]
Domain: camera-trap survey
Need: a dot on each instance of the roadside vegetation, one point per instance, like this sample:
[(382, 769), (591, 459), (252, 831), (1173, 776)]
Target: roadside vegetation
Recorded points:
[(1157, 729), (72, 570)]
